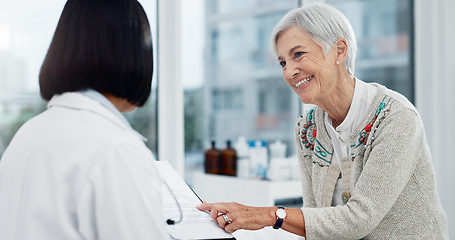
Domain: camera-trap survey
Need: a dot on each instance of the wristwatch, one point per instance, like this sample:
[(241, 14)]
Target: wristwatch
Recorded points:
[(280, 215)]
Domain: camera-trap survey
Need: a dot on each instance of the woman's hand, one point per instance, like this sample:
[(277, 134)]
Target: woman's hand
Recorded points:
[(240, 216)]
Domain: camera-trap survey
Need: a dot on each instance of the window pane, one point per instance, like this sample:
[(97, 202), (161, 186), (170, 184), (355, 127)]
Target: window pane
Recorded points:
[(240, 90), (384, 36), (26, 30)]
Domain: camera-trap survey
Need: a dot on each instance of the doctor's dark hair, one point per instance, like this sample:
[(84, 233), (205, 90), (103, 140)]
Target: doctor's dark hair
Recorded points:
[(105, 45)]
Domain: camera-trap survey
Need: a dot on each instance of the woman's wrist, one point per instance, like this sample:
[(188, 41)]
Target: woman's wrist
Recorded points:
[(265, 216), (271, 216)]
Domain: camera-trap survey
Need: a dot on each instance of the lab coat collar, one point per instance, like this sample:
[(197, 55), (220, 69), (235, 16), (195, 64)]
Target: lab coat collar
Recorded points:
[(94, 102)]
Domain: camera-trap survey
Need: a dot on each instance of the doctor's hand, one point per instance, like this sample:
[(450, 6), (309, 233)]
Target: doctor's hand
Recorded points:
[(233, 216)]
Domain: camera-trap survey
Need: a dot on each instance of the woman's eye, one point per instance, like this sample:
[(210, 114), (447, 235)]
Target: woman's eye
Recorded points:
[(283, 64), (298, 54)]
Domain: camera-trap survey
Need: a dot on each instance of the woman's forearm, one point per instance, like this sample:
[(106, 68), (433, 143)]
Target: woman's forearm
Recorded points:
[(294, 222)]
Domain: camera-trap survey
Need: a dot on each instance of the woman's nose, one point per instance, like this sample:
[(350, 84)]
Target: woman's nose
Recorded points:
[(292, 70)]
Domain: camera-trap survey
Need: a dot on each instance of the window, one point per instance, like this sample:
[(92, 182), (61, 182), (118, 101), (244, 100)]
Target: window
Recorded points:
[(384, 35), (26, 30), (25, 34), (242, 89)]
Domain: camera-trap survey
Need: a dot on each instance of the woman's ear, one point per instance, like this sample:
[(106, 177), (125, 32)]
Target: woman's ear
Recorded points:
[(341, 47)]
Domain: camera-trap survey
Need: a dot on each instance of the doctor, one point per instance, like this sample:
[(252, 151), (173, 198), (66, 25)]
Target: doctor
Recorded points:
[(78, 170)]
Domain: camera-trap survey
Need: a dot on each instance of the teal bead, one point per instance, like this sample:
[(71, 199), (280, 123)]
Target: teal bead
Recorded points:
[(311, 111), (382, 106), (323, 154), (310, 116), (317, 149)]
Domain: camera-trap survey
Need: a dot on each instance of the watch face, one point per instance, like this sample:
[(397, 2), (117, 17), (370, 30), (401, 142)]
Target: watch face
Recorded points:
[(280, 213)]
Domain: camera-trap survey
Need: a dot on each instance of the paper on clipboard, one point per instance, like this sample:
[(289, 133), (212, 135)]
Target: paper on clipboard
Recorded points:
[(195, 224)]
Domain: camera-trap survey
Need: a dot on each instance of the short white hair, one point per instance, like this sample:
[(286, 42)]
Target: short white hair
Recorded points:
[(325, 24)]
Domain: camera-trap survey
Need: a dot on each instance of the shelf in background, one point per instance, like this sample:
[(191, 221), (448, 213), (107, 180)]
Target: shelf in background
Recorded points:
[(252, 192)]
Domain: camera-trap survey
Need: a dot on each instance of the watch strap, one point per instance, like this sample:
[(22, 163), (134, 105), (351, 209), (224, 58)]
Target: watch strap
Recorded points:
[(279, 221)]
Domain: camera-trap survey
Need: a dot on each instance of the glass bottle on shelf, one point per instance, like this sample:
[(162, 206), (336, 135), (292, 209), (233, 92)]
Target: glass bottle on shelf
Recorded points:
[(212, 160), (229, 160)]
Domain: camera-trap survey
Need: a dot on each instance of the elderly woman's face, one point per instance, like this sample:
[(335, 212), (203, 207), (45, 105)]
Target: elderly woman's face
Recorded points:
[(306, 69)]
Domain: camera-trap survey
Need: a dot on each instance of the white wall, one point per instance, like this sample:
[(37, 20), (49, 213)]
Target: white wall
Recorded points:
[(435, 85)]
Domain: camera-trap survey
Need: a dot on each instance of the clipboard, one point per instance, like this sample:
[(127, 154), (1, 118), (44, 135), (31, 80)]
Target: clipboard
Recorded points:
[(178, 196)]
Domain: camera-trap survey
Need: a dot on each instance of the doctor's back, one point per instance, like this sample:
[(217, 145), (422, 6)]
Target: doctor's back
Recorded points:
[(78, 170)]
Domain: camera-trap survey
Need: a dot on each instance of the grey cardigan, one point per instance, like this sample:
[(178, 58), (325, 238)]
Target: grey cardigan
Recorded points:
[(388, 179)]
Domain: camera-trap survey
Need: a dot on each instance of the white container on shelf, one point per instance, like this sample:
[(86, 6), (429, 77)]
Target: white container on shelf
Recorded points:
[(277, 149), (279, 166), (279, 169), (243, 160), (258, 159)]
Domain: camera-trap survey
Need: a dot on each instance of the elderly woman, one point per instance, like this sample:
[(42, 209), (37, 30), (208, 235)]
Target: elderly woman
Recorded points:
[(365, 163)]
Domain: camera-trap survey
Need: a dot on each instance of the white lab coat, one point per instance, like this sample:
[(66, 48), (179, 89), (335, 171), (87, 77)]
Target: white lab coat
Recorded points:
[(77, 171)]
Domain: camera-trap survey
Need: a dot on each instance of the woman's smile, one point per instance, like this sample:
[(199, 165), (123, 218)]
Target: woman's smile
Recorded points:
[(303, 82)]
